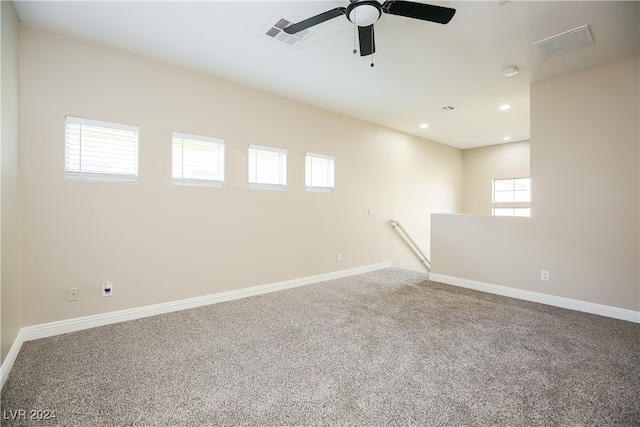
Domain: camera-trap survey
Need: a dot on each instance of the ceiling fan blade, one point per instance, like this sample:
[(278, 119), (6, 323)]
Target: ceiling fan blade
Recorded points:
[(426, 12), (315, 20), (367, 41)]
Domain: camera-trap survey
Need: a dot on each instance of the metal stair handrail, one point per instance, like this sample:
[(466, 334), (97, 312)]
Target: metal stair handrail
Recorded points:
[(423, 258)]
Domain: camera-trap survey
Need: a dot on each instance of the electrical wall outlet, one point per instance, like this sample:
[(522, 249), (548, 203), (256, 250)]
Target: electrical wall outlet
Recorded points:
[(371, 211), (74, 294), (338, 257), (107, 289), (544, 275)]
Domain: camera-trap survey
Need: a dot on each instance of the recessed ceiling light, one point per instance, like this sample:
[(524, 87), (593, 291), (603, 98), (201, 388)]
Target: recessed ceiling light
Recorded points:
[(504, 107), (424, 126), (506, 138)]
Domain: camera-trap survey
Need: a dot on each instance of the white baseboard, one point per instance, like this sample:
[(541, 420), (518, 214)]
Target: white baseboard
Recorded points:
[(44, 330), (572, 304), (7, 364)]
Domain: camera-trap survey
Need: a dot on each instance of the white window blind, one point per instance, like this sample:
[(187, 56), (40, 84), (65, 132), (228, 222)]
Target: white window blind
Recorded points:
[(100, 151), (319, 172), (197, 160), (267, 167)]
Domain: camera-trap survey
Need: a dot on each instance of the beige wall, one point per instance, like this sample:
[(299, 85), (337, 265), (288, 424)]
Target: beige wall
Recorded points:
[(157, 242), (585, 207), (11, 307), (484, 164)]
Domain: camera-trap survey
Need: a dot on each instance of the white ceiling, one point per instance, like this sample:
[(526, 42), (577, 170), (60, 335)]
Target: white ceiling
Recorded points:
[(419, 66)]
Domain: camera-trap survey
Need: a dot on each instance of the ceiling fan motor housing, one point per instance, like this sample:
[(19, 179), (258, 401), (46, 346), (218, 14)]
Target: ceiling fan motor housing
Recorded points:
[(364, 12)]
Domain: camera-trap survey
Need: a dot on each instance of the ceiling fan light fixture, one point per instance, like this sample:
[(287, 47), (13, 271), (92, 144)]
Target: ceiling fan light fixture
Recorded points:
[(364, 13)]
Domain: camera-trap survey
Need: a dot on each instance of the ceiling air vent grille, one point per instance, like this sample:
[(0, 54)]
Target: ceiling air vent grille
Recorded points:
[(565, 42), (276, 32)]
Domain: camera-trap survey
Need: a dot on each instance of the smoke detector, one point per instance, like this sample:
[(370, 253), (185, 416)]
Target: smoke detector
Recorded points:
[(510, 71)]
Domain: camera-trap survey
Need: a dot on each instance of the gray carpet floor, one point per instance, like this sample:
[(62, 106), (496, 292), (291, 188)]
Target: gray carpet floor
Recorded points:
[(387, 348)]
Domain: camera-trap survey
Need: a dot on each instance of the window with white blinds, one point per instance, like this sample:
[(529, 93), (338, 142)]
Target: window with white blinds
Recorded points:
[(267, 167), (197, 160), (319, 172), (100, 151)]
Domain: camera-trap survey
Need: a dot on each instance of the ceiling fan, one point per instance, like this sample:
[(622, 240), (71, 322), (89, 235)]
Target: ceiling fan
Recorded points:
[(363, 13)]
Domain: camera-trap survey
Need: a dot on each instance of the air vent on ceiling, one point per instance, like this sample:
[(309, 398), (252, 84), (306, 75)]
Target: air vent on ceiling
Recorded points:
[(275, 32), (565, 42)]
